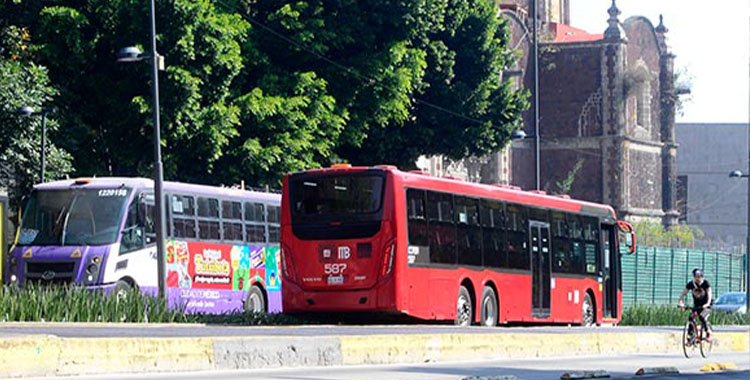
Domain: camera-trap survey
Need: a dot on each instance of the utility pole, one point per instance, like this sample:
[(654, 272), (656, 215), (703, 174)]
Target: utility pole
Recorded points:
[(535, 93), (158, 167)]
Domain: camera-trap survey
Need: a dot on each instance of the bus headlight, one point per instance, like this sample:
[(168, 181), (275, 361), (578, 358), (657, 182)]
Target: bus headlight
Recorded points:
[(92, 270)]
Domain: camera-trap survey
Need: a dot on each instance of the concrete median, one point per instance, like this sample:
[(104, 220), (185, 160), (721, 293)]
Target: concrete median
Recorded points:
[(48, 355)]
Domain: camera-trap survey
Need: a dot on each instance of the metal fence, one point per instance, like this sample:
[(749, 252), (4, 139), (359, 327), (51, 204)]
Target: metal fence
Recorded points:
[(657, 275)]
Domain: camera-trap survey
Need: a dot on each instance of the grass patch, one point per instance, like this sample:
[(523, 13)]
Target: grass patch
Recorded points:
[(72, 304), (670, 315), (34, 303)]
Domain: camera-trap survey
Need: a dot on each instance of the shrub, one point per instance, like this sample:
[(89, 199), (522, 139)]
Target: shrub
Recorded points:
[(669, 315)]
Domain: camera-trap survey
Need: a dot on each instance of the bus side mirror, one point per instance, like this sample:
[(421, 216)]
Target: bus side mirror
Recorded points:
[(627, 230)]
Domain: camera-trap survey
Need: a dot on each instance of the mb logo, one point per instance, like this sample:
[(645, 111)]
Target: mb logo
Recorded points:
[(344, 253)]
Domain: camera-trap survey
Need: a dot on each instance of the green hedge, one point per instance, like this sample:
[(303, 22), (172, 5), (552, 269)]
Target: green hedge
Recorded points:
[(665, 315), (61, 304)]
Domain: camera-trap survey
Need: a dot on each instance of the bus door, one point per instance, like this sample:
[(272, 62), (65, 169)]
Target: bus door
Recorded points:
[(540, 269), (609, 271)]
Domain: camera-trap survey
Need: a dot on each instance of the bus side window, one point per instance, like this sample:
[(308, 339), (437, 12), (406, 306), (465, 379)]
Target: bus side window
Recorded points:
[(469, 242), (182, 209), (493, 234), (208, 219), (561, 245), (416, 220), (132, 234), (591, 244), (274, 218), (231, 215), (139, 226), (518, 227), (274, 234), (416, 224), (578, 251), (274, 214), (255, 218), (442, 228), (255, 233), (208, 207), (146, 215)]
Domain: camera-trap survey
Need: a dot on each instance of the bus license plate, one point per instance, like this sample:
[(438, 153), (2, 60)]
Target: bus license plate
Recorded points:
[(335, 280)]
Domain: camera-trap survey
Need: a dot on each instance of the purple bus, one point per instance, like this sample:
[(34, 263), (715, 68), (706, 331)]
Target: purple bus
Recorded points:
[(222, 246)]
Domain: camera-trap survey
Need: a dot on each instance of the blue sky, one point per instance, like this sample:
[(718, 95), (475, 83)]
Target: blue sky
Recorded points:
[(711, 40)]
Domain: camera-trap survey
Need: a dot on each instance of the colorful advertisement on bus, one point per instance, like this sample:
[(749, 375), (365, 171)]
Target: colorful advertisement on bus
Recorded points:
[(208, 274)]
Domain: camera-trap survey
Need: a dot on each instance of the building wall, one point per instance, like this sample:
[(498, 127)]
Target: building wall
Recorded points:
[(715, 203), (570, 123), (604, 118)]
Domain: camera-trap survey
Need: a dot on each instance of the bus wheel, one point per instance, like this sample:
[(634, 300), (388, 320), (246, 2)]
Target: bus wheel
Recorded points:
[(588, 311), (464, 308), (255, 302), (122, 289), (488, 314)]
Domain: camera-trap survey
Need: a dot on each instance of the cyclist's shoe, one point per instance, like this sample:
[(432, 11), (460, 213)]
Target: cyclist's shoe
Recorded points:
[(709, 338)]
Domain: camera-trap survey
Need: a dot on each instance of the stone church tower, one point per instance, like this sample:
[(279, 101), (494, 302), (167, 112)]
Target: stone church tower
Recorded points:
[(606, 109)]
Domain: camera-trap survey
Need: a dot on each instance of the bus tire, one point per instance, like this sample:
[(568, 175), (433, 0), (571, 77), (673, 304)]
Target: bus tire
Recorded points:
[(588, 313), (464, 308), (121, 289), (255, 301), (489, 311)]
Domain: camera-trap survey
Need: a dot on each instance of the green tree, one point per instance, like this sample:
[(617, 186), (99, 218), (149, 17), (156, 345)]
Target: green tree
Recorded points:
[(227, 114), (654, 234), (256, 89), (23, 83), (413, 78)]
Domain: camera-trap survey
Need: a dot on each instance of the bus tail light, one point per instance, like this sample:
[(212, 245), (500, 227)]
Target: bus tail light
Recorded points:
[(387, 267), (286, 263)]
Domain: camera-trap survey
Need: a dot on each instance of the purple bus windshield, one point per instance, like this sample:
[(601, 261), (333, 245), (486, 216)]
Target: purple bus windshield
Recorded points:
[(73, 217)]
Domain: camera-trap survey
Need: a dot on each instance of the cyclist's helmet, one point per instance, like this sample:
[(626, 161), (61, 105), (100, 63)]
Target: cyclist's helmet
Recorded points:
[(697, 272)]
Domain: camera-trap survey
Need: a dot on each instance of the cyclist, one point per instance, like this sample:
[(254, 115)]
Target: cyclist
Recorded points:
[(702, 298)]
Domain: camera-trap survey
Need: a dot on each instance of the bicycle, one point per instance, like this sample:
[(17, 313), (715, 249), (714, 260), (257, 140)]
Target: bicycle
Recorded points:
[(689, 338)]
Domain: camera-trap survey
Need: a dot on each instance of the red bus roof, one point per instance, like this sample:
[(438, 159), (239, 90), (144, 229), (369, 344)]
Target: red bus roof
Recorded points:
[(500, 192)]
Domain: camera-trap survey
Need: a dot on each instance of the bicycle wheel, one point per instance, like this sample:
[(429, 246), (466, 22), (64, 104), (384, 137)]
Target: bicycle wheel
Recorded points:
[(706, 345), (688, 339)]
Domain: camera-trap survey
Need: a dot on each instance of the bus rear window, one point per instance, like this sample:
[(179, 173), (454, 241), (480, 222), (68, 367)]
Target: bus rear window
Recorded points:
[(336, 196)]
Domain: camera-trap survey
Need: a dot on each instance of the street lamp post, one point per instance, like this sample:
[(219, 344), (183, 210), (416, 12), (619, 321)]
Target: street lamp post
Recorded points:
[(28, 112), (535, 52), (133, 54), (739, 174)]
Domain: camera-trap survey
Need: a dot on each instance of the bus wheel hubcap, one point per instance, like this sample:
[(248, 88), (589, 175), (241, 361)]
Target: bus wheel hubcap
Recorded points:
[(489, 312), (588, 313), (464, 311), (254, 303)]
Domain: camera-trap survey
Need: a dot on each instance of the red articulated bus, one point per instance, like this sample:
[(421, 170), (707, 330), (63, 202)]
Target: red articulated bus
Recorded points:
[(377, 239)]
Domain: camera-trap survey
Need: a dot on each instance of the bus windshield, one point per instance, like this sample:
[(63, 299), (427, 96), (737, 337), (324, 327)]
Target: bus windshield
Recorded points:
[(316, 198), (73, 217)]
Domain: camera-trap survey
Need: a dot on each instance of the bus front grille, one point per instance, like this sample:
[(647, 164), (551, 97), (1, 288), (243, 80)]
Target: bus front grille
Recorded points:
[(50, 272)]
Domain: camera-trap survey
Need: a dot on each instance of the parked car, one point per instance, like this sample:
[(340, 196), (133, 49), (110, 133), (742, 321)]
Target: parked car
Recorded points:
[(732, 302)]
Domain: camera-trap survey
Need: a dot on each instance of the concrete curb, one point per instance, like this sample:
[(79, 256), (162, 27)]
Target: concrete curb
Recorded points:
[(42, 355)]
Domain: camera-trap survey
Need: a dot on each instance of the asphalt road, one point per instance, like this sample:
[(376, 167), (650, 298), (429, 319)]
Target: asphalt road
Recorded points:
[(187, 330), (622, 367)]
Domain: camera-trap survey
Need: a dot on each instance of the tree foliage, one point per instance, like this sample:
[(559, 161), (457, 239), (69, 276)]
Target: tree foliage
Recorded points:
[(23, 83), (416, 77), (655, 234), (255, 89)]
